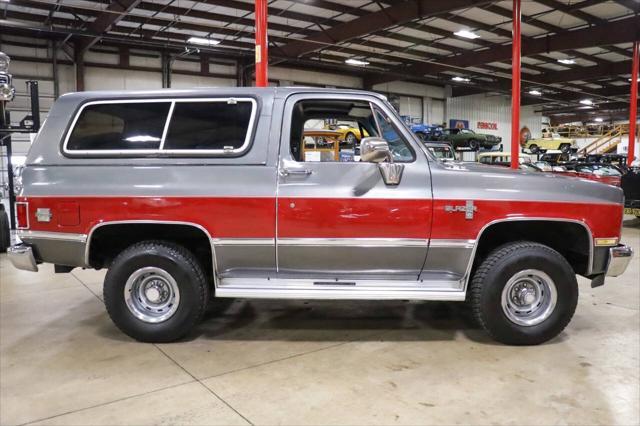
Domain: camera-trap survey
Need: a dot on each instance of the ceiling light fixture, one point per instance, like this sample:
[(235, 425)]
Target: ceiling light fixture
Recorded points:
[(203, 41), (535, 92), (462, 79), (586, 102), (599, 120), (356, 62), (630, 79), (567, 61), (466, 34)]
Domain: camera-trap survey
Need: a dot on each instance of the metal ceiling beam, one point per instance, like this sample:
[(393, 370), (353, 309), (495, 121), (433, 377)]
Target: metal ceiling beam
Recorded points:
[(585, 73), (390, 16), (621, 31), (106, 20)]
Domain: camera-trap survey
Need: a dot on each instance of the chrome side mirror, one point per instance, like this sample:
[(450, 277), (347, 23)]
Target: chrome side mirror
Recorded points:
[(376, 150)]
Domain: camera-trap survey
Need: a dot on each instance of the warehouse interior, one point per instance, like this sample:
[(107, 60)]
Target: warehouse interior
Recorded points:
[(442, 65)]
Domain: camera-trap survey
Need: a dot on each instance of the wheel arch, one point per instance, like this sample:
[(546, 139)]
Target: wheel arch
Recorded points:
[(144, 230), (552, 232)]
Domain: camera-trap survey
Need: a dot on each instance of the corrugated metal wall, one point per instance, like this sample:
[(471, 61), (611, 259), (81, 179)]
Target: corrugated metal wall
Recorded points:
[(493, 109)]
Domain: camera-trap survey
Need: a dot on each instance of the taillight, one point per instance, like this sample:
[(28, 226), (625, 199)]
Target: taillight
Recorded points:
[(22, 215)]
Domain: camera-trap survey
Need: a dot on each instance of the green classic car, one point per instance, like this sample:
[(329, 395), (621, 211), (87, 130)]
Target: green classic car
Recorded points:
[(466, 138)]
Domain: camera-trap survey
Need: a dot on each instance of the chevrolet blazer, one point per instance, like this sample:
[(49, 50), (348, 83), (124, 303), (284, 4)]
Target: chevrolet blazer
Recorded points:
[(190, 195)]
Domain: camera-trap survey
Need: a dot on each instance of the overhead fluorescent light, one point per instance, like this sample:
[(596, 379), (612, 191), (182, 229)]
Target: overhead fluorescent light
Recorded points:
[(586, 102), (535, 92), (356, 62), (636, 80), (467, 34), (567, 61), (599, 120), (203, 41), (456, 78)]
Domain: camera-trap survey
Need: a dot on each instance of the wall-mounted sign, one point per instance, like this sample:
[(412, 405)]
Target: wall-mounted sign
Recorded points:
[(458, 124), (525, 135), (487, 125)]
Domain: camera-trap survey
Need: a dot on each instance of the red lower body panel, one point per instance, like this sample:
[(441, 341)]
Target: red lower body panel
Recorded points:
[(229, 217)]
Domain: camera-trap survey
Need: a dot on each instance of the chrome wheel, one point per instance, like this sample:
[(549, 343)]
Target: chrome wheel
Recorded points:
[(529, 297), (152, 294)]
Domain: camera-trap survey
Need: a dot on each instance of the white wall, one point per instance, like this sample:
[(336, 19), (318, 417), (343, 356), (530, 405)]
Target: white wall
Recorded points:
[(496, 109)]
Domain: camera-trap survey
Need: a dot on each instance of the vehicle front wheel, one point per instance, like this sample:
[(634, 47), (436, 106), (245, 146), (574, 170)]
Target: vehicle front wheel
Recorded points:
[(155, 291), (534, 149), (474, 145), (423, 137), (565, 147), (524, 293)]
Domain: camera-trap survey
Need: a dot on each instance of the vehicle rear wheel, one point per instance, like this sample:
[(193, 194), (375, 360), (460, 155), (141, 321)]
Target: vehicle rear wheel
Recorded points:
[(155, 291), (534, 149), (524, 293), (474, 145), (565, 147), (423, 136)]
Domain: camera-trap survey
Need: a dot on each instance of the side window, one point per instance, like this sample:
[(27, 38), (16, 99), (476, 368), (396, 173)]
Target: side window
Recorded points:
[(209, 125), (399, 147), (119, 126), (325, 130)]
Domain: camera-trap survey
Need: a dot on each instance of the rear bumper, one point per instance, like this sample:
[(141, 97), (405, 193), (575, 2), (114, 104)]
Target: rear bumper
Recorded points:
[(21, 256), (619, 258)]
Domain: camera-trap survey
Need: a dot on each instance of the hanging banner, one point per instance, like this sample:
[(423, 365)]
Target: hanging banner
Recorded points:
[(458, 124)]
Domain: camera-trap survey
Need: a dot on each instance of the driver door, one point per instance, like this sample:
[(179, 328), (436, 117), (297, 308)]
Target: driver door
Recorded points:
[(336, 218)]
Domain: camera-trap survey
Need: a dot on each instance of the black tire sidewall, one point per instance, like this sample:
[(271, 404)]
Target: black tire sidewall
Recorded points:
[(474, 145), (491, 300), (534, 149), (188, 281)]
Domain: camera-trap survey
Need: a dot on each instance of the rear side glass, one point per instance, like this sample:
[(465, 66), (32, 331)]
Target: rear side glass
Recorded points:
[(119, 126), (209, 125)]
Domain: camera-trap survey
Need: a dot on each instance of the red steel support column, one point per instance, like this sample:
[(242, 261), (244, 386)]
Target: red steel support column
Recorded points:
[(262, 57), (633, 106), (515, 87)]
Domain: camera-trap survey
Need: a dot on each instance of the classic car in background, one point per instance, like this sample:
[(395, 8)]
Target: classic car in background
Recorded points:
[(466, 138), (442, 151), (556, 157), (427, 132), (555, 142), (501, 158), (630, 183), (349, 133)]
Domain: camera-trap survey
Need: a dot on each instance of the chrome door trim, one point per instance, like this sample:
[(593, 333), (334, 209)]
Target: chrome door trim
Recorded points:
[(243, 241), (355, 242), (153, 222), (47, 235), (467, 275), (451, 243)]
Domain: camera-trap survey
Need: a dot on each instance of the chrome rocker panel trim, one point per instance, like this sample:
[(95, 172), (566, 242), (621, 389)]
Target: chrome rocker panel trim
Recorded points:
[(263, 288)]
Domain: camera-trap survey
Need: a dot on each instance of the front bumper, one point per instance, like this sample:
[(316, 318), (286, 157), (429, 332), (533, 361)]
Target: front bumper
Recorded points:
[(619, 258), (21, 256)]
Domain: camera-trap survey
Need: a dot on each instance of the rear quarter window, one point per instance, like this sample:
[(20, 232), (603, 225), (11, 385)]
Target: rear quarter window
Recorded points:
[(168, 127), (119, 126)]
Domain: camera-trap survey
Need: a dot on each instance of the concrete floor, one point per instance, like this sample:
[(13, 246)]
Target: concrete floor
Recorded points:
[(293, 362)]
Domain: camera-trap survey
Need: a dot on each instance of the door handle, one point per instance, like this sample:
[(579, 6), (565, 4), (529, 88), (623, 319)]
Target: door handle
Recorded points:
[(295, 172)]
